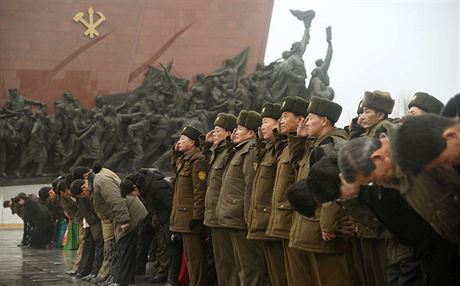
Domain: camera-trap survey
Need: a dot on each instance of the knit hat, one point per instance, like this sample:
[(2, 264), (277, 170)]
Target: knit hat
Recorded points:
[(426, 102), (295, 104), (249, 119), (379, 101), (226, 121), (271, 110), (324, 107), (192, 133)]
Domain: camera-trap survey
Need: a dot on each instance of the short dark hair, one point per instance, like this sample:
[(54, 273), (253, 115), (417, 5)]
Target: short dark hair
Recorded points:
[(61, 187), (79, 171), (324, 180), (6, 204), (301, 198), (43, 193), (75, 187), (355, 158), (419, 141), (126, 187), (68, 179)]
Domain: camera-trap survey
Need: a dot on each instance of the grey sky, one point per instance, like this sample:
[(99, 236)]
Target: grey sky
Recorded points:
[(398, 46)]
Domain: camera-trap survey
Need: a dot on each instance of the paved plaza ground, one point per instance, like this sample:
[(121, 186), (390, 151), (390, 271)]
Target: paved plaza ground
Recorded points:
[(34, 267)]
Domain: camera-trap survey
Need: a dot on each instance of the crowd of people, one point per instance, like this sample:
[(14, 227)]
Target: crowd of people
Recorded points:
[(280, 197)]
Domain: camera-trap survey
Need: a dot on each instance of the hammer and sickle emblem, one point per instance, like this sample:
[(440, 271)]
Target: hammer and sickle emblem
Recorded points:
[(90, 25)]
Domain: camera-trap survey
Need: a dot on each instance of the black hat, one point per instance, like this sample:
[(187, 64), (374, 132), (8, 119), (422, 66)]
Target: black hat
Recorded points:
[(249, 119), (226, 121), (324, 107), (192, 133), (295, 104), (452, 107), (426, 102), (379, 101), (271, 110)]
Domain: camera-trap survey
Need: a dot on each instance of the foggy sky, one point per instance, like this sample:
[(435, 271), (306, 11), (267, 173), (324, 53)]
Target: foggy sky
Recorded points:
[(396, 46)]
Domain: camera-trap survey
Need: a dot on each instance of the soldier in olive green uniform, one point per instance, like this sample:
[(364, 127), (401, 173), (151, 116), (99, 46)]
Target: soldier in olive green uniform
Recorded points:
[(188, 203), (220, 154), (293, 110), (377, 105), (234, 199), (318, 261), (269, 149)]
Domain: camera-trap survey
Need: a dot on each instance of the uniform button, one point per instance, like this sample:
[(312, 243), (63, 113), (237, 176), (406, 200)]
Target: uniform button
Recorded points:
[(233, 201), (282, 206), (265, 209)]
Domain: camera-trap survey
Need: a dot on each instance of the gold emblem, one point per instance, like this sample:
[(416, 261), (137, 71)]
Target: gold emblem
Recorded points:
[(90, 25), (202, 175)]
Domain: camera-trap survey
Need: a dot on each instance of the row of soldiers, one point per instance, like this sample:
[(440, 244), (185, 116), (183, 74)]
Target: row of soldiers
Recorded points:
[(288, 199)]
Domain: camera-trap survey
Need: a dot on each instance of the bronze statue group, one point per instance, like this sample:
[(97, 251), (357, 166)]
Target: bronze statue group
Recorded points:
[(273, 193)]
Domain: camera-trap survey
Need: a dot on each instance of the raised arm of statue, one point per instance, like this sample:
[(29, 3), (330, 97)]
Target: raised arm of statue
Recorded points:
[(304, 42), (173, 84), (327, 60)]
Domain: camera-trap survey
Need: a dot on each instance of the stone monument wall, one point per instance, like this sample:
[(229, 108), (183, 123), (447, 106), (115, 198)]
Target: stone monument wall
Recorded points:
[(43, 50)]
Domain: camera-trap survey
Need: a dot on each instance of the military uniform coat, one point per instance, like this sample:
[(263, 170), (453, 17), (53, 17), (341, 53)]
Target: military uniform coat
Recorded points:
[(235, 195), (189, 191), (220, 154), (262, 189), (306, 232), (279, 222)]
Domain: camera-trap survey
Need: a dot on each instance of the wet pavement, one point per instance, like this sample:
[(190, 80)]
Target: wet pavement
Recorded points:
[(33, 267)]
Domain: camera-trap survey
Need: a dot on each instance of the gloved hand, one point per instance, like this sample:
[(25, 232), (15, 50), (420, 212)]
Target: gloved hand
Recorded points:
[(194, 222)]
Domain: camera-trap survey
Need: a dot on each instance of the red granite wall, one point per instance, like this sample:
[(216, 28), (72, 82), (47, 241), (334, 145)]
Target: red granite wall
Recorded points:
[(43, 51)]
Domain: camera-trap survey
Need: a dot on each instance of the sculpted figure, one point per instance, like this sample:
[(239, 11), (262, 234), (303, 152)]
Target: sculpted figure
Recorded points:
[(319, 83), (289, 76), (17, 103), (35, 150)]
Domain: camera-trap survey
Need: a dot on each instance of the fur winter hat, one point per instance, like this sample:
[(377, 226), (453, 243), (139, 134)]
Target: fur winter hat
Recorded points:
[(379, 101), (326, 108), (249, 119), (296, 105), (426, 102), (226, 121), (271, 110)]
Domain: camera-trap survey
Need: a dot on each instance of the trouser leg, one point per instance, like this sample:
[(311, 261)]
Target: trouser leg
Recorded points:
[(274, 257), (224, 257), (250, 260), (127, 257), (194, 247)]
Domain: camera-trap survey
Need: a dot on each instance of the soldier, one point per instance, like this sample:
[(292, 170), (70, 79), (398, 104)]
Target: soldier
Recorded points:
[(269, 148), (317, 250), (377, 105), (234, 199), (188, 203), (220, 154), (422, 103), (293, 110)]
